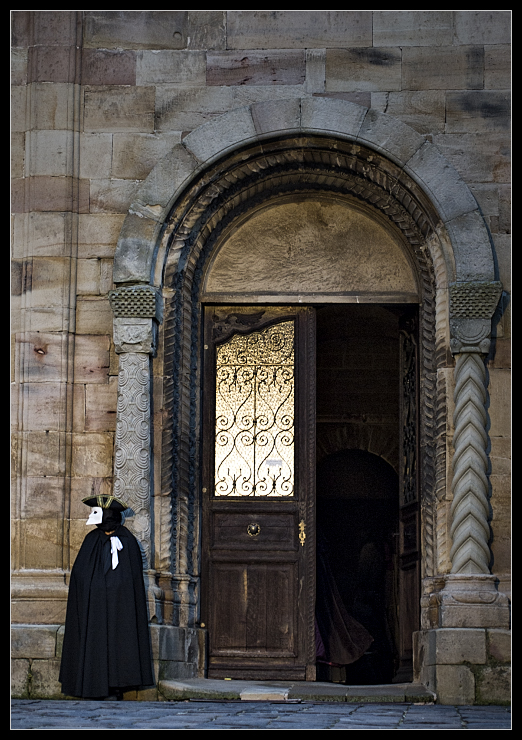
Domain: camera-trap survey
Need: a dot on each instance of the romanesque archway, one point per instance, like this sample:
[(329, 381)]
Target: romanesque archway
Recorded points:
[(218, 173)]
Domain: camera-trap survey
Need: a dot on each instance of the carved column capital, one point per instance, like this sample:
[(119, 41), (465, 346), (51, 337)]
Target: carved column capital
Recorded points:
[(471, 307), (137, 311), (137, 301)]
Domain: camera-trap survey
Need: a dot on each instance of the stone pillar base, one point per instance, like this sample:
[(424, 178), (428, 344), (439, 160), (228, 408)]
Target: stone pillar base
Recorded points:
[(464, 665), (472, 601)]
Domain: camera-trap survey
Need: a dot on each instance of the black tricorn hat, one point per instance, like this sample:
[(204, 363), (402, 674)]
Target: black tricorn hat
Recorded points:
[(106, 502)]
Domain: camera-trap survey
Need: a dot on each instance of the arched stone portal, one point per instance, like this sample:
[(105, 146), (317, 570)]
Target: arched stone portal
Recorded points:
[(244, 162)]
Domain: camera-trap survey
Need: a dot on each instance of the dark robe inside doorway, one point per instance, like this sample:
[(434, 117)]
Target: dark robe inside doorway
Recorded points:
[(106, 647)]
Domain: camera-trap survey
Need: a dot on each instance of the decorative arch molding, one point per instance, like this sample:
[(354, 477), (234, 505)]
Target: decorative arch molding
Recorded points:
[(244, 159)]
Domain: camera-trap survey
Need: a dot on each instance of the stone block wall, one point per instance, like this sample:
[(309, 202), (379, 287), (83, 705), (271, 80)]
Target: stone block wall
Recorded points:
[(98, 98)]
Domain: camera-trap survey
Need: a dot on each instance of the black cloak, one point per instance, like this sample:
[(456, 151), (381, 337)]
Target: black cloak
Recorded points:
[(106, 643)]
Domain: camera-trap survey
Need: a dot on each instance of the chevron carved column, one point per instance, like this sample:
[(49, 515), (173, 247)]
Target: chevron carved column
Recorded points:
[(470, 597)]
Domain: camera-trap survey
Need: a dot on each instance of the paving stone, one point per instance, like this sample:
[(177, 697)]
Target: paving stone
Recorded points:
[(31, 714)]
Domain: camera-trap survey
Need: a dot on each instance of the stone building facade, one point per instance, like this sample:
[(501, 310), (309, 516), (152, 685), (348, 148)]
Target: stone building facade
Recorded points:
[(345, 161)]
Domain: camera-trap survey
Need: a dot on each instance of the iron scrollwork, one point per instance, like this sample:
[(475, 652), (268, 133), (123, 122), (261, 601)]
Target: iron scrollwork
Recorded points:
[(254, 445)]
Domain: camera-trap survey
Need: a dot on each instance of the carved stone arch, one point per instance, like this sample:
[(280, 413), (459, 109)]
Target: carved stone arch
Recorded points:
[(359, 438), (229, 165)]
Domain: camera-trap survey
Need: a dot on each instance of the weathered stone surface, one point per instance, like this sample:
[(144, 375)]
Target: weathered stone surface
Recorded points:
[(109, 67), (88, 277), (139, 29), (40, 542), (154, 29), (455, 684), (500, 412), (95, 155), (164, 182), (477, 110), (18, 108), (33, 642), (171, 67), (339, 116), (472, 246), (92, 454), (265, 29), (93, 316), (40, 356), (18, 66), (443, 184), (455, 646), (91, 358), (111, 195), (43, 497), (278, 115), (98, 234), (315, 70), (389, 136), (51, 106), (442, 67), (215, 137), (274, 67), (48, 280), (44, 681), (363, 69), (497, 67), (46, 193), (49, 153), (424, 111), (52, 64), (137, 236), (100, 406), (44, 453), (478, 157), (20, 678), (499, 645), (135, 155), (493, 685), (20, 30), (355, 255), (53, 28), (415, 28), (41, 234), (44, 406), (115, 108), (17, 154), (482, 26)]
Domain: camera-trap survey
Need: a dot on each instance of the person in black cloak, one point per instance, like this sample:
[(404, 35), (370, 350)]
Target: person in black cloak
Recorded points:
[(106, 646)]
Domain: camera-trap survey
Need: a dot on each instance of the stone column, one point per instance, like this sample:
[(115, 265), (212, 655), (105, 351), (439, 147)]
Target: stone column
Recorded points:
[(470, 597), (469, 612), (137, 311)]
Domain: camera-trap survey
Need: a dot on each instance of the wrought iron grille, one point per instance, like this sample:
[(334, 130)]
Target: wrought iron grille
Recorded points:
[(254, 450)]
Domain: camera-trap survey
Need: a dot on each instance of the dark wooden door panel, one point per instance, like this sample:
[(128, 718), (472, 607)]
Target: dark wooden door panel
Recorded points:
[(258, 573), (258, 531)]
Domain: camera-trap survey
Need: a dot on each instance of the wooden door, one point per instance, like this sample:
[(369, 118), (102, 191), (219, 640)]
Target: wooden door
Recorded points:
[(258, 492), (409, 504)]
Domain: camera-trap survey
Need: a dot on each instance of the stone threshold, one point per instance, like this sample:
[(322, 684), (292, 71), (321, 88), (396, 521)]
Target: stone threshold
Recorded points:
[(238, 690)]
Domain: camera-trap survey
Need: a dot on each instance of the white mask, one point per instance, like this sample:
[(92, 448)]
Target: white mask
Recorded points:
[(96, 515)]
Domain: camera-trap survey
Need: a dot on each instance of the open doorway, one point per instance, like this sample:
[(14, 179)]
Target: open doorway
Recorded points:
[(357, 525), (360, 580)]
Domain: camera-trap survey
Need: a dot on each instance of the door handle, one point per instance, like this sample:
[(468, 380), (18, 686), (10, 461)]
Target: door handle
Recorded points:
[(302, 534)]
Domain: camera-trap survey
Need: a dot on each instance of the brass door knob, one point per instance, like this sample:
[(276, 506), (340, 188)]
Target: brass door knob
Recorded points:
[(253, 529)]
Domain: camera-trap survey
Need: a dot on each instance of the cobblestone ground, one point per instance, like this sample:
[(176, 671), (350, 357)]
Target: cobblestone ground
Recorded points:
[(27, 714)]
